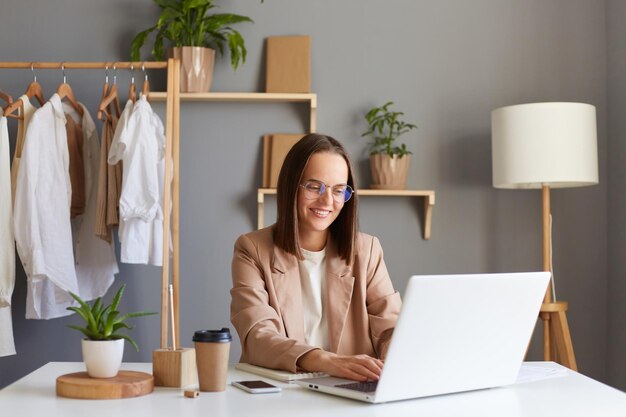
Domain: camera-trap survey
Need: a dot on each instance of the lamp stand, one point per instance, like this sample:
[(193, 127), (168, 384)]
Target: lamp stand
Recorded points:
[(557, 341)]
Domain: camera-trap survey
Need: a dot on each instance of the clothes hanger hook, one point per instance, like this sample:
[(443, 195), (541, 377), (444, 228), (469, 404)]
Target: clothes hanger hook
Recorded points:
[(132, 74), (63, 71), (32, 68), (145, 74), (114, 74), (106, 74)]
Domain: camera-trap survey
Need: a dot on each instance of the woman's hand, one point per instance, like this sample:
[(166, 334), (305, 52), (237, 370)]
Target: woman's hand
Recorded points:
[(357, 367)]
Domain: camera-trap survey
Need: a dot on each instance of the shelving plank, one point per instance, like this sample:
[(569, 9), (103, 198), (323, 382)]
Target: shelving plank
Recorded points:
[(428, 195)]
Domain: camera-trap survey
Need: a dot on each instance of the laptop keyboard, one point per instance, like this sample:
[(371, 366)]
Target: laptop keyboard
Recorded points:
[(369, 386)]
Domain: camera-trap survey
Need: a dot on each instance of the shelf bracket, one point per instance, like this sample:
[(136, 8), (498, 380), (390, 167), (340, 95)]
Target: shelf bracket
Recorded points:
[(313, 115), (260, 199), (429, 202)]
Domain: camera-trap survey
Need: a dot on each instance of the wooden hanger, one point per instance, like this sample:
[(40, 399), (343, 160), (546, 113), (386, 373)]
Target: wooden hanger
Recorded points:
[(65, 91), (107, 98), (109, 94), (33, 90), (6, 97)]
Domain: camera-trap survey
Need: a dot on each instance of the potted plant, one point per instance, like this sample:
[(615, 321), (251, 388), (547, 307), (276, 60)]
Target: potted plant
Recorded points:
[(194, 34), (103, 346), (389, 162)]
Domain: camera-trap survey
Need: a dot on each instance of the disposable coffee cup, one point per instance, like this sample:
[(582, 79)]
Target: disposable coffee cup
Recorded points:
[(212, 349)]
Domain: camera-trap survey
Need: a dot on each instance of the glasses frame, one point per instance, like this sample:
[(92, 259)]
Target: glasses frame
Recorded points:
[(324, 187)]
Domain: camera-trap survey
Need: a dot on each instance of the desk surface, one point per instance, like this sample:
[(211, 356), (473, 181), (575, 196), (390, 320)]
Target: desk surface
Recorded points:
[(570, 395)]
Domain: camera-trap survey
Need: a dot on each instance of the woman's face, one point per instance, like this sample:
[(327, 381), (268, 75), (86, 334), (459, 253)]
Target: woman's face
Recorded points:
[(315, 215)]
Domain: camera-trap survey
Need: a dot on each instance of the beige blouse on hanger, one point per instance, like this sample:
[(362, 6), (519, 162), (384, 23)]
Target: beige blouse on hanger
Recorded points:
[(26, 112)]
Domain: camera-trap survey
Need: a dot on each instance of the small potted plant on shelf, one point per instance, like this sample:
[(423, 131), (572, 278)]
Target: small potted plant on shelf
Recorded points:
[(389, 162), (103, 346), (194, 34)]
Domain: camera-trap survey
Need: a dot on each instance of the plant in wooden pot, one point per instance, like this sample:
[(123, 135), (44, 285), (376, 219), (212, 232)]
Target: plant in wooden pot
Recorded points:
[(103, 346), (389, 162), (194, 34)]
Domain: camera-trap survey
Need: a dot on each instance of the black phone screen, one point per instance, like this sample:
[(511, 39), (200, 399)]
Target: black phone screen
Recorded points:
[(255, 384)]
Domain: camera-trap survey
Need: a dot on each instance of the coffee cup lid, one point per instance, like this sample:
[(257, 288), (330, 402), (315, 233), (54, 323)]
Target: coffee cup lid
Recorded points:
[(218, 336)]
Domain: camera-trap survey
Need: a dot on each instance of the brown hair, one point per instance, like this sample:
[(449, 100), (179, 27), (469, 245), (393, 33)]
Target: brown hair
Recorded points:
[(344, 229)]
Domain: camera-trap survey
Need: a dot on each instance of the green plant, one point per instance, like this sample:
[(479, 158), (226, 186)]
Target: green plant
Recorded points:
[(385, 126), (104, 322), (187, 23)]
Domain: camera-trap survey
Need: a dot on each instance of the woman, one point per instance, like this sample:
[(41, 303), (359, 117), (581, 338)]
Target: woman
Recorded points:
[(310, 292)]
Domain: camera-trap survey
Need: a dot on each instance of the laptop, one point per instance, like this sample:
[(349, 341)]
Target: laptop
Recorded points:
[(455, 333)]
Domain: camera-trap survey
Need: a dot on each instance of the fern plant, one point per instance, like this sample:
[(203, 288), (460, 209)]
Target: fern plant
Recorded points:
[(103, 322), (188, 23), (386, 126)]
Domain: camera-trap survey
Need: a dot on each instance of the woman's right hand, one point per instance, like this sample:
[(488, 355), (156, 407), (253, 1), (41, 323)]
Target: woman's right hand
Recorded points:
[(357, 367)]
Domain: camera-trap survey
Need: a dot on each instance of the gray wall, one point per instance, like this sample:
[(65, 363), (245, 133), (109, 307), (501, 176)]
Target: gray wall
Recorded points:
[(616, 99), (446, 64)]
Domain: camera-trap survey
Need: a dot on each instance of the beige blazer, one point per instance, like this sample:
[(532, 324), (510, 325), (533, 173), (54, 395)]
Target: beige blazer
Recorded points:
[(266, 307)]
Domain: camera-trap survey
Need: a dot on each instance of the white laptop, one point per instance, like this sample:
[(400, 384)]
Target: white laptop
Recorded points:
[(455, 333)]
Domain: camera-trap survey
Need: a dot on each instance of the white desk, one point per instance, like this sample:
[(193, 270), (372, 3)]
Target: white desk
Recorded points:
[(571, 395)]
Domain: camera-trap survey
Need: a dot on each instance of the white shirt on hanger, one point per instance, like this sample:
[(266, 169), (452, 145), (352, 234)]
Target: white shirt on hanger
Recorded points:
[(116, 152), (7, 248), (139, 142), (93, 262), (43, 233)]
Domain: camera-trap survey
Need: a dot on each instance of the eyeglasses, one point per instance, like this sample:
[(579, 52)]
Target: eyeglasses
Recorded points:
[(315, 189)]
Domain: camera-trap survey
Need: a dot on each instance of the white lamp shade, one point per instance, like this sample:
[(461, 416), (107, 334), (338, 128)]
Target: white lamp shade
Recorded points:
[(539, 144)]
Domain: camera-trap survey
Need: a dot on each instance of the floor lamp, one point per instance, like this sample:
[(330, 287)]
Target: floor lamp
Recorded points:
[(543, 146)]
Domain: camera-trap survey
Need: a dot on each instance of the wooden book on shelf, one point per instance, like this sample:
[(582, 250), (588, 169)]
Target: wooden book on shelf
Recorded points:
[(288, 67), (275, 149)]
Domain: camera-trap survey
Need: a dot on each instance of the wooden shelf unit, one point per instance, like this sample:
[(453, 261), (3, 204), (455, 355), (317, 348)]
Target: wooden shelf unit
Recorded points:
[(427, 195), (310, 98)]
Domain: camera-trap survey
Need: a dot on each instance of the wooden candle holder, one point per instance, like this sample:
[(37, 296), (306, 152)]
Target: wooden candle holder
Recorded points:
[(174, 368)]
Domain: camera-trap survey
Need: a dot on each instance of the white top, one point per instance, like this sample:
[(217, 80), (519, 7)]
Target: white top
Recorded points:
[(313, 284), (139, 141), (571, 395), (7, 247), (43, 233), (89, 260), (116, 152)]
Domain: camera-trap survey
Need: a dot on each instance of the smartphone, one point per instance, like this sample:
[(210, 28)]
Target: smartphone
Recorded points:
[(256, 387)]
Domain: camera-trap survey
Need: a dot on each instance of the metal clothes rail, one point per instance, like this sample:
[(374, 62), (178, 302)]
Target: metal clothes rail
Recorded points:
[(172, 152)]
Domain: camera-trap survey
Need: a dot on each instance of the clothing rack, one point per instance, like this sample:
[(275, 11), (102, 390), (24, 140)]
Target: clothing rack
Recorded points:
[(172, 149)]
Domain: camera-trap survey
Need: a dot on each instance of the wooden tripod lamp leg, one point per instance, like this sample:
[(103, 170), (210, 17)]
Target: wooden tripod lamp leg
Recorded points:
[(557, 341), (545, 317)]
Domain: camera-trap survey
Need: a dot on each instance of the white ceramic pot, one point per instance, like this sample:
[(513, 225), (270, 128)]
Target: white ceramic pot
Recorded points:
[(103, 358)]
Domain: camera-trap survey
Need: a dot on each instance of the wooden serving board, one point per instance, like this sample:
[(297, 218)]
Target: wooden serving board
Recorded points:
[(126, 384)]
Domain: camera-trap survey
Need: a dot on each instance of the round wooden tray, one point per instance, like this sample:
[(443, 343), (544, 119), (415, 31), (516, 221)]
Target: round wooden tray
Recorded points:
[(126, 384)]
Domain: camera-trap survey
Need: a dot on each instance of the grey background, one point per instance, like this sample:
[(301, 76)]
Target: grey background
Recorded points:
[(446, 64)]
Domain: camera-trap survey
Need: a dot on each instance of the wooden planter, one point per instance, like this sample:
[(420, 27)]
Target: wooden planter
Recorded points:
[(389, 173), (196, 72)]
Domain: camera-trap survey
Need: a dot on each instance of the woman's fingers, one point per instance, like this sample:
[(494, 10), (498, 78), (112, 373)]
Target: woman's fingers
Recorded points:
[(357, 367), (360, 367)]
